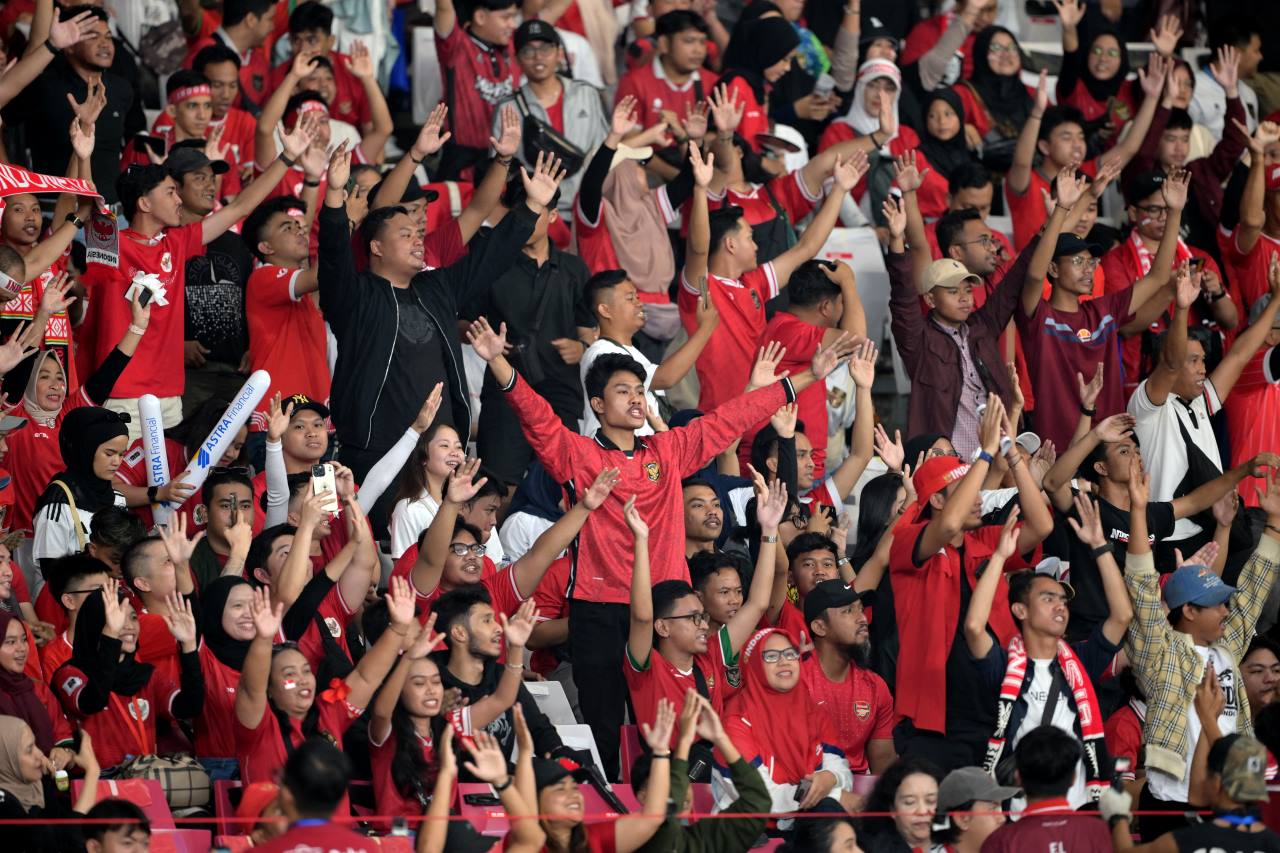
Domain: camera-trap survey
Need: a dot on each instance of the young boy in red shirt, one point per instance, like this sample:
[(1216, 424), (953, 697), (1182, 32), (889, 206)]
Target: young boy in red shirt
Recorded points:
[(311, 32)]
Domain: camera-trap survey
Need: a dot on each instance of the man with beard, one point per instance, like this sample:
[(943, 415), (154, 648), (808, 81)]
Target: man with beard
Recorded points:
[(703, 516), (474, 635), (839, 678), (1040, 678)]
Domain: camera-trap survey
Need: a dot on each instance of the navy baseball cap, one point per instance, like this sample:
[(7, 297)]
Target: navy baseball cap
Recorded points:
[(1197, 585), (1070, 244)]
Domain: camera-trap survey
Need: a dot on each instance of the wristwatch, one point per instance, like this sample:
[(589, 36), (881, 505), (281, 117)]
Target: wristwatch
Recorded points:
[(982, 455), (75, 220)]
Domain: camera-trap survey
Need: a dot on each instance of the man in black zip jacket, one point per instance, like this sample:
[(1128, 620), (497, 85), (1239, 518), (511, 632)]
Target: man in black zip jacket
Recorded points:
[(396, 324)]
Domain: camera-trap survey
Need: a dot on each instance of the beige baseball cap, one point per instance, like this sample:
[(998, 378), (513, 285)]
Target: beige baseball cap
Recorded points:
[(946, 272)]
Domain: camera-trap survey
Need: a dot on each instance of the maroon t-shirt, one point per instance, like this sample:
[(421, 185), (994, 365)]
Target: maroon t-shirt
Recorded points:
[(1060, 344), (1051, 826)]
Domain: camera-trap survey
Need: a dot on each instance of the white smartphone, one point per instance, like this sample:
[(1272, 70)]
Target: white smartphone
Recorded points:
[(825, 85), (322, 480)]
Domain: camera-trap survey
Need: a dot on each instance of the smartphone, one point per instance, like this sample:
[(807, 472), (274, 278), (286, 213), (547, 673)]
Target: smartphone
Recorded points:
[(1197, 265), (802, 790), (1122, 766), (156, 144), (480, 799), (144, 297), (322, 480), (825, 86), (704, 294)]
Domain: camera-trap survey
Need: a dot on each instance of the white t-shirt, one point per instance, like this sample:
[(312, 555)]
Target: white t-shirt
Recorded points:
[(408, 519), (57, 537), (1163, 446), (1166, 787), (1035, 695), (520, 531), (590, 423)]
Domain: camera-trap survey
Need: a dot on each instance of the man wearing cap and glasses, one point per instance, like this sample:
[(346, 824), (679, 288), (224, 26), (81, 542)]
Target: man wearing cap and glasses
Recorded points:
[(1038, 677), (970, 808), (1064, 337), (570, 107), (839, 677), (1237, 791), (937, 550), (1208, 623)]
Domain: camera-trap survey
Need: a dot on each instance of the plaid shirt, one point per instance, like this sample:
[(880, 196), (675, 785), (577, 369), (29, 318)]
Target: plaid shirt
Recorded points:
[(1166, 663)]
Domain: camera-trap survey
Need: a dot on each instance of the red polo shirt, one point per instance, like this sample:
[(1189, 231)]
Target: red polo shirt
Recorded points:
[(477, 77)]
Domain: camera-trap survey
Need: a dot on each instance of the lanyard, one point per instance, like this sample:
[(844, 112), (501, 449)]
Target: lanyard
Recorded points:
[(133, 721)]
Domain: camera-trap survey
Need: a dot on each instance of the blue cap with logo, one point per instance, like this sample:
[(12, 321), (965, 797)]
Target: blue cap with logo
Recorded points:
[(1198, 585)]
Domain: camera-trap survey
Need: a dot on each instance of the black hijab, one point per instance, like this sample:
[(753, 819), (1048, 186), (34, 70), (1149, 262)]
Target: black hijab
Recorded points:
[(83, 431), (1005, 97), (91, 620), (764, 42), (946, 156), (213, 601), (1101, 90)]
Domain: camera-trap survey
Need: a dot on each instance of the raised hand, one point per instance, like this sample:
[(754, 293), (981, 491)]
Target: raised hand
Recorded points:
[(771, 500), (891, 452), (174, 534), (214, 148), (1090, 390), (696, 120), (1153, 76), (313, 162), (1089, 528), (277, 419), (240, 534), (339, 167), (313, 510), (359, 61), (658, 735), (95, 100), (1259, 464), (266, 618), (427, 642), (300, 138), (427, 414), (432, 136), (487, 343), (303, 64), (460, 489), (1210, 701), (863, 364), (488, 764), (1115, 428), (702, 167), (1174, 189), (784, 420), (1071, 186), (1166, 34), (1007, 546), (600, 489), (847, 173), (1139, 485), (541, 186), (1071, 13), (624, 116), (828, 358), (1206, 556), (400, 601), (508, 143), (895, 216), (991, 424), (726, 109), (65, 34), (82, 139), (1107, 172), (765, 370), (906, 173), (634, 521), (518, 628), (13, 351), (1186, 287), (1042, 93), (1226, 69), (114, 607), (1225, 508), (181, 621)]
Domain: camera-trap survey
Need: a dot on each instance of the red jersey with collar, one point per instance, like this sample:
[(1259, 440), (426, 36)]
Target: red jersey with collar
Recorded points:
[(56, 652), (1121, 108), (238, 134), (157, 365), (657, 678), (755, 120), (791, 620), (260, 750), (1027, 209), (789, 191), (654, 91), (127, 726), (215, 733), (157, 646), (1249, 269), (286, 334), (321, 837), (651, 471), (255, 68), (501, 585), (725, 363), (861, 708), (477, 77), (801, 340), (350, 103), (552, 600), (927, 599), (925, 35), (386, 794), (1253, 417)]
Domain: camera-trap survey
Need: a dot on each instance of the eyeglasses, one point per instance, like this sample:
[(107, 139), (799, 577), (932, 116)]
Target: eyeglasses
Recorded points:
[(540, 49), (1002, 48), (986, 241), (701, 619), (1084, 262), (1155, 211), (775, 655), (1110, 52), (242, 470), (461, 549)]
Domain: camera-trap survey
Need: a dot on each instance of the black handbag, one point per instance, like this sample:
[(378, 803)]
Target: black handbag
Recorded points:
[(542, 137)]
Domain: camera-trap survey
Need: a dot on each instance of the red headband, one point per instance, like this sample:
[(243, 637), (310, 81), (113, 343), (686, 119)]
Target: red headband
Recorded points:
[(187, 92)]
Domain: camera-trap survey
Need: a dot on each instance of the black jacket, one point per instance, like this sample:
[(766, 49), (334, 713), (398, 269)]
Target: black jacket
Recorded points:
[(361, 309)]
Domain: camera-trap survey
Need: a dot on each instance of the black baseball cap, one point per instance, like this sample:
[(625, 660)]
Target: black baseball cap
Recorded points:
[(184, 158), (1144, 186), (873, 28), (413, 192), (1070, 244), (833, 593), (295, 403), (536, 30)]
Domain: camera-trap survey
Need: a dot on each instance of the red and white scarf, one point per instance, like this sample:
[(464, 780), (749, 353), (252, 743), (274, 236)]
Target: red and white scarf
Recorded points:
[(1144, 257), (1088, 715)]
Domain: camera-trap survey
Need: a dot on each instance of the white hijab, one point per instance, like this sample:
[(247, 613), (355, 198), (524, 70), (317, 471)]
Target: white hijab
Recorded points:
[(857, 117)]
